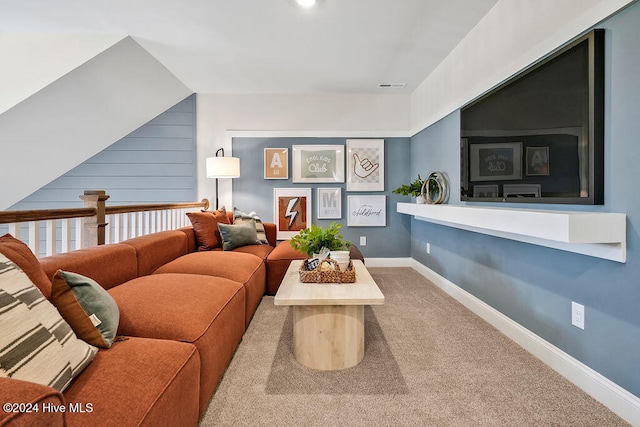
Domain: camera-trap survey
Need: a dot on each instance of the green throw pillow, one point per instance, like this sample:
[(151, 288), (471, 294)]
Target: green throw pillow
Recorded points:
[(92, 313), (234, 236)]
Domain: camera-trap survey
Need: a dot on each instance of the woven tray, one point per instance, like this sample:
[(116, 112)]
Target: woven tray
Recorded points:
[(329, 276)]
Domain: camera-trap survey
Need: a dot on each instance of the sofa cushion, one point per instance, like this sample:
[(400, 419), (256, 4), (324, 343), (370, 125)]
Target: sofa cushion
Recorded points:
[(205, 225), (240, 217), (239, 267), (156, 249), (16, 391), (235, 236), (261, 251), (21, 255), (191, 238), (205, 311), (36, 344), (138, 381), (108, 265), (87, 307)]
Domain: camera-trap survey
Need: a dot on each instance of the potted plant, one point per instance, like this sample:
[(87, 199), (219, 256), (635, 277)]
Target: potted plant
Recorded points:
[(312, 240), (413, 189)]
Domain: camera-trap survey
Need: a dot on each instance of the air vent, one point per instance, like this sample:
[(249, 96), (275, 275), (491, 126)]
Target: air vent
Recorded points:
[(391, 85)]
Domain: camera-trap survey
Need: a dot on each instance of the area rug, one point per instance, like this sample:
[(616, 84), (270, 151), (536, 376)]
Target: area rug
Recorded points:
[(429, 362)]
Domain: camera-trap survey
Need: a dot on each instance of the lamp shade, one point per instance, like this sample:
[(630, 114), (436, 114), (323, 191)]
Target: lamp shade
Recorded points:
[(223, 167)]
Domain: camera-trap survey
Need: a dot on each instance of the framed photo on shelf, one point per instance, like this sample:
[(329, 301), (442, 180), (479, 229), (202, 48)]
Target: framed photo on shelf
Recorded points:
[(495, 162), (537, 161), (276, 163), (367, 211), (485, 191), (365, 164), (291, 211), (318, 163), (329, 202), (521, 190)]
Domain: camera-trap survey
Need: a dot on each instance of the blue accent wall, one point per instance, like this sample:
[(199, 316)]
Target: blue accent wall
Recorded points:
[(534, 285), (253, 193)]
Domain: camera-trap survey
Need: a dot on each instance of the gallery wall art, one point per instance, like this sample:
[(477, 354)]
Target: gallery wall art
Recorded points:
[(365, 164)]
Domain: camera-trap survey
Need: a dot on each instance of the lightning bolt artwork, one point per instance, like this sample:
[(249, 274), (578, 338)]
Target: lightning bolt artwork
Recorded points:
[(290, 212)]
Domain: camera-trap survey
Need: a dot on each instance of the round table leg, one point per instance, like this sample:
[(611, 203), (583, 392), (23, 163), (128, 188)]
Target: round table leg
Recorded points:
[(328, 337)]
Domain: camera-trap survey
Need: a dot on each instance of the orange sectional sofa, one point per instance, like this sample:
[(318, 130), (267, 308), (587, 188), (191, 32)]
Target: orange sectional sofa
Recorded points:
[(182, 315)]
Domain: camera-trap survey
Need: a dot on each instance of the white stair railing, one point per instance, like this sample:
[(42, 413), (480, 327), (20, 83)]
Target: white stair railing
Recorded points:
[(52, 231)]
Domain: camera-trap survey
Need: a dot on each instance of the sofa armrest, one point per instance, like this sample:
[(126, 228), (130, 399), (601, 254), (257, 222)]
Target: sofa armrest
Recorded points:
[(30, 397), (271, 232)]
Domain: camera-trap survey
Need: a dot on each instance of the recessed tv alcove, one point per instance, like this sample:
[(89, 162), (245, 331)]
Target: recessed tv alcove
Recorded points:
[(539, 136)]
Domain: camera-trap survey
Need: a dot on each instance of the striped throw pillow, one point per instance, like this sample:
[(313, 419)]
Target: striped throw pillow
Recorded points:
[(36, 344), (240, 217)]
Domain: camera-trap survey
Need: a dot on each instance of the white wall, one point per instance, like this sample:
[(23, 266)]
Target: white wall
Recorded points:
[(80, 114), (513, 35), (222, 116), (32, 61)]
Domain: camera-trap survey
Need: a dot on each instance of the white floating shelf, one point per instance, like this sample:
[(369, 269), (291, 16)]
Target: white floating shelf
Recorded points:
[(597, 234)]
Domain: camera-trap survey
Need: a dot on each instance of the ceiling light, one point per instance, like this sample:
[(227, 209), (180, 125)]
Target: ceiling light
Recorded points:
[(306, 3)]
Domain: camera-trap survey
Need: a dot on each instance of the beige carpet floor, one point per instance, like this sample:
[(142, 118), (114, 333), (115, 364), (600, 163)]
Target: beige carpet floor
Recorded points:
[(428, 362)]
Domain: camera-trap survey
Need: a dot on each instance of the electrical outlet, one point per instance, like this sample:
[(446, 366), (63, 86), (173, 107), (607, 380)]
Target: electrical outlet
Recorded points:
[(363, 240), (577, 315), (428, 247)]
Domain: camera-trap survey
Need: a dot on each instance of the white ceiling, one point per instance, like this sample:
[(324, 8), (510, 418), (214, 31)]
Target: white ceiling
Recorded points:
[(270, 46)]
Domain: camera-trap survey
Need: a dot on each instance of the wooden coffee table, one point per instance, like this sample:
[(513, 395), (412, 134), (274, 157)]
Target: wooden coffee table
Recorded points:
[(328, 318)]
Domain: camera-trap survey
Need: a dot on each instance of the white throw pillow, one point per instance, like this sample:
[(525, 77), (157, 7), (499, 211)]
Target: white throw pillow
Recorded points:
[(36, 344)]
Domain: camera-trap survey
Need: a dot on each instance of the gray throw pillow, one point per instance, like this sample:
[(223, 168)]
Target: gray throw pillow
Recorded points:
[(234, 236)]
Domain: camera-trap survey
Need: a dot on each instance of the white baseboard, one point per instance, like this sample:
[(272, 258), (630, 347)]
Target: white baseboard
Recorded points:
[(620, 401), (388, 262)]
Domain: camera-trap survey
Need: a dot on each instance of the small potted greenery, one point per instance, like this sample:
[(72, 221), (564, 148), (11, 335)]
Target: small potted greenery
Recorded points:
[(311, 240), (413, 189)]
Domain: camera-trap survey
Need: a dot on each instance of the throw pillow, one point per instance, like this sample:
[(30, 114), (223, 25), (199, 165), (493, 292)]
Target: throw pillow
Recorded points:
[(240, 217), (36, 344), (234, 236), (221, 213), (89, 309), (205, 227), (21, 255)]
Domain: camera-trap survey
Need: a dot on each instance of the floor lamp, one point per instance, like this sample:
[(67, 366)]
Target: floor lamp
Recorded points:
[(222, 167)]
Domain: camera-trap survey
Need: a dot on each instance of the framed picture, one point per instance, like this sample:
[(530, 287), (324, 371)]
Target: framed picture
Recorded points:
[(521, 190), (318, 163), (329, 203), (291, 211), (367, 211), (365, 164), (276, 163), (495, 162), (537, 161), (486, 191)]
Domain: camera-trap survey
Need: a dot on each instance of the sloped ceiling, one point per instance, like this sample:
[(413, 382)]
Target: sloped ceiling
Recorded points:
[(270, 46), (30, 62), (80, 114)]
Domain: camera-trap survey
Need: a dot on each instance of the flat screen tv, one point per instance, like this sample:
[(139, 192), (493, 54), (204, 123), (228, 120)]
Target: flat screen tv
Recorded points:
[(539, 137)]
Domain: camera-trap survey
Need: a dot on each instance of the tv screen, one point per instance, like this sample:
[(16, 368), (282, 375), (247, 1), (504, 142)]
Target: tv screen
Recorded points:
[(539, 137)]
